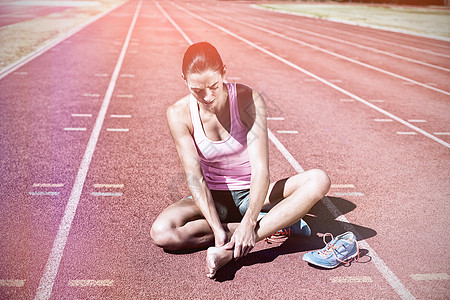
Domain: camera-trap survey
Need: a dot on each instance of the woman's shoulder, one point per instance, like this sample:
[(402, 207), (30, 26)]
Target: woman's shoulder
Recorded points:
[(179, 111), (248, 100), (247, 95), (243, 90)]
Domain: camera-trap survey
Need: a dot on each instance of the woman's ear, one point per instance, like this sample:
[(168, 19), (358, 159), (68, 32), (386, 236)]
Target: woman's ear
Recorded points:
[(224, 71), (184, 78)]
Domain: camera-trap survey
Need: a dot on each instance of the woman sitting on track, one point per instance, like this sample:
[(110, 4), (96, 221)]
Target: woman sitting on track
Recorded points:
[(220, 134)]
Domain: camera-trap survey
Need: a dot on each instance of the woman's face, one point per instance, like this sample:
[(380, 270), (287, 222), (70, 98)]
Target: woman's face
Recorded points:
[(206, 87)]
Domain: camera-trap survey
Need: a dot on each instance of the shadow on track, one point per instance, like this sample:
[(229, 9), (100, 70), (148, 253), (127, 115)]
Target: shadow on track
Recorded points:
[(321, 221)]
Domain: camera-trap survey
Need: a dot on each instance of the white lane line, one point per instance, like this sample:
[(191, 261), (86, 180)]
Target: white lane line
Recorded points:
[(16, 65), (376, 101), (45, 287), (90, 283), (127, 75), (174, 24), (342, 186), (365, 36), (347, 100), (430, 276), (335, 80), (362, 47), (417, 121), (287, 131), (406, 132), (106, 194), (124, 96), (442, 133), (275, 118), (351, 279), (43, 193), (75, 129), (48, 185), (349, 194), (117, 129), (12, 282), (277, 57), (81, 115), (412, 81), (108, 185), (121, 116), (412, 38), (383, 120), (285, 152), (101, 75), (91, 95), (387, 273)]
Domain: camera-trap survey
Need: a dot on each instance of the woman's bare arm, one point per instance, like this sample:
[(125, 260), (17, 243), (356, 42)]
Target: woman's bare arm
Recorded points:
[(190, 161)]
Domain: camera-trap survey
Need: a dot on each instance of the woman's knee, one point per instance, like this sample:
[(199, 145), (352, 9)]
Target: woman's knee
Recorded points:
[(164, 235), (320, 180)]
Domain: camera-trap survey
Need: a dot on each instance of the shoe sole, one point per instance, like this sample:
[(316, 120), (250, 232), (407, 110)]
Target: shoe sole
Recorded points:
[(328, 266)]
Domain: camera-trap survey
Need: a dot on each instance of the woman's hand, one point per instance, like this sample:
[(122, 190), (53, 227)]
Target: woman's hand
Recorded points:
[(243, 240), (220, 238)]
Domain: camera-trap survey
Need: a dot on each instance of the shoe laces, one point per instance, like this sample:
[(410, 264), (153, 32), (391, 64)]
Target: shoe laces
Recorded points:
[(332, 248), (279, 236)]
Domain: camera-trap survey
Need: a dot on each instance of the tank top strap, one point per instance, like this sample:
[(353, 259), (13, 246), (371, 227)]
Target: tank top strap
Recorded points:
[(199, 135), (236, 122)]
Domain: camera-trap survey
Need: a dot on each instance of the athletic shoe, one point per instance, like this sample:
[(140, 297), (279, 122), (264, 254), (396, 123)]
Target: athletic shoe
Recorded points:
[(341, 249), (299, 229)]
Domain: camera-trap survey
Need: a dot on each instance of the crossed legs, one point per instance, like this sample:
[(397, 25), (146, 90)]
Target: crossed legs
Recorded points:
[(182, 226)]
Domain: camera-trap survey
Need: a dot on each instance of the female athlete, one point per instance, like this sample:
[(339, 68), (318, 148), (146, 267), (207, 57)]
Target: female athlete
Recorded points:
[(221, 137)]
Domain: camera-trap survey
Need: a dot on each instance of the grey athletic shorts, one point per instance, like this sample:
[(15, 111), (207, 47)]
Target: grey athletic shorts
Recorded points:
[(231, 205)]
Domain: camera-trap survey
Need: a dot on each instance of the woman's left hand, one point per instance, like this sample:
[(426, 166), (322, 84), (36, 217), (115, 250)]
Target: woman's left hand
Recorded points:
[(243, 240)]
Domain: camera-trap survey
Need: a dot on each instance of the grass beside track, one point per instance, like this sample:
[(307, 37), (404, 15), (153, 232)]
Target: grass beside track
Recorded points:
[(19, 39)]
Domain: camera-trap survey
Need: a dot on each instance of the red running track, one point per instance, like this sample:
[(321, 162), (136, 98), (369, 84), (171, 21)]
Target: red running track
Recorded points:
[(333, 105)]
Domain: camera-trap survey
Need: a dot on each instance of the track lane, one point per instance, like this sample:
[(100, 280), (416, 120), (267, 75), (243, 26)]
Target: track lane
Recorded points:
[(37, 150), (40, 156), (365, 36), (437, 62), (377, 62), (52, 266), (351, 52), (382, 34)]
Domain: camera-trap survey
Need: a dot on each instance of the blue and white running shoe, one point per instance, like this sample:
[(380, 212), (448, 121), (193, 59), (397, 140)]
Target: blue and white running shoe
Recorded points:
[(340, 249), (298, 229)]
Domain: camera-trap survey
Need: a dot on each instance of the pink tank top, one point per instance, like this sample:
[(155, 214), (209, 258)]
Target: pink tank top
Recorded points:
[(225, 164)]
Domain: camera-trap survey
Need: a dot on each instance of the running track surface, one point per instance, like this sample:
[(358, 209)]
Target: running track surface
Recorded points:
[(88, 162)]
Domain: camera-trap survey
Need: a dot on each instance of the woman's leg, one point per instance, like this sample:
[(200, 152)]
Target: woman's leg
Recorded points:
[(288, 200), (182, 226)]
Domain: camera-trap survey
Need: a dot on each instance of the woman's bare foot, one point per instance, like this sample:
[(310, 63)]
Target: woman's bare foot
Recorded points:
[(216, 258)]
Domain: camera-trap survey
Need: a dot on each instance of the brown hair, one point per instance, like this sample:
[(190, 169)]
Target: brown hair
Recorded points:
[(200, 57)]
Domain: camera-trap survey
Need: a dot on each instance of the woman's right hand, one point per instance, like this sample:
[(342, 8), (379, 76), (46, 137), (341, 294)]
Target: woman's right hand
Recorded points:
[(220, 237)]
